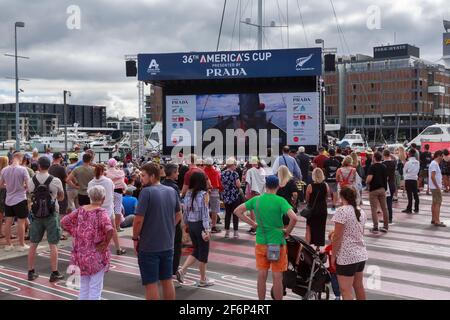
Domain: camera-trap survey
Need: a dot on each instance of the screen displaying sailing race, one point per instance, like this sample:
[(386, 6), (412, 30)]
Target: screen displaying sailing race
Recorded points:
[(295, 115)]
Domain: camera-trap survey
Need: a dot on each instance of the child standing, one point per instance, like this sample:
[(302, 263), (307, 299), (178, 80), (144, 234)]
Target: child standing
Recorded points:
[(332, 269)]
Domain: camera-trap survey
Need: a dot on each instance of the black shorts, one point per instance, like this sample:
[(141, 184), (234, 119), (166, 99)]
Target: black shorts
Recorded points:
[(351, 269), (19, 211)]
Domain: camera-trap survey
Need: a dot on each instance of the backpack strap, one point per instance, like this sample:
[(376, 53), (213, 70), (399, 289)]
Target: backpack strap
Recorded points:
[(48, 181), (35, 182), (349, 174)]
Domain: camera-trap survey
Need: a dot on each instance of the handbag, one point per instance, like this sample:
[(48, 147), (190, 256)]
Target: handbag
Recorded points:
[(308, 211), (273, 250)]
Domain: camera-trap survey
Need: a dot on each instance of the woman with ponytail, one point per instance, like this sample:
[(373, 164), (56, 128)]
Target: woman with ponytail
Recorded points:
[(349, 254), (101, 180)]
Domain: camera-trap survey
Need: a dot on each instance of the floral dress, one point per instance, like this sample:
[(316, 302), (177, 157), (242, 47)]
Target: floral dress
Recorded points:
[(88, 229)]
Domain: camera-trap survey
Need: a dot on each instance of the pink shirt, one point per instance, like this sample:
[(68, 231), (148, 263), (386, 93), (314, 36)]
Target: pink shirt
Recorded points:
[(88, 228), (118, 177)]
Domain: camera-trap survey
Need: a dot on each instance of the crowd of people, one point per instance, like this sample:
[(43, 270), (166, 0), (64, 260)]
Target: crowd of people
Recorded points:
[(179, 204)]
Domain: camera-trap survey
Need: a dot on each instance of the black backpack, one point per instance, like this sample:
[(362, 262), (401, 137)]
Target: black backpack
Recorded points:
[(43, 205)]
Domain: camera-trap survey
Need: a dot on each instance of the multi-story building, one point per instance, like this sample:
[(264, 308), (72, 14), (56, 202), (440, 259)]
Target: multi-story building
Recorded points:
[(154, 105), (43, 118), (391, 96)]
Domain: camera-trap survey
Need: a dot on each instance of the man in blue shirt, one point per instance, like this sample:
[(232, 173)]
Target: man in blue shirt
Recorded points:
[(129, 204), (154, 224), (288, 161)]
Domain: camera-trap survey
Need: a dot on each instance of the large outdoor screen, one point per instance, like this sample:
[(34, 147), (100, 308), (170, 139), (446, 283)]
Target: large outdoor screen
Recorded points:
[(294, 114)]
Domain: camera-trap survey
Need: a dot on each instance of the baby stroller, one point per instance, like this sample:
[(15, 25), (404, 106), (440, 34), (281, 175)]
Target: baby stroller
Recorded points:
[(307, 275)]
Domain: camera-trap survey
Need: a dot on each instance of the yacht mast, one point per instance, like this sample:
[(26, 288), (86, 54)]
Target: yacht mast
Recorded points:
[(260, 25)]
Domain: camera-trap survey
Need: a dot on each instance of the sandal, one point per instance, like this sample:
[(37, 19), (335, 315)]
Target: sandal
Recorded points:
[(63, 237), (440, 224), (121, 252)]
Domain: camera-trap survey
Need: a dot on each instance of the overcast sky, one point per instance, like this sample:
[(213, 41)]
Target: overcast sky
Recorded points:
[(90, 61)]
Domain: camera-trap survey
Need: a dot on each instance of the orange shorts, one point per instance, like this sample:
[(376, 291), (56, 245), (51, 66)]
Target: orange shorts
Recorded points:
[(263, 264)]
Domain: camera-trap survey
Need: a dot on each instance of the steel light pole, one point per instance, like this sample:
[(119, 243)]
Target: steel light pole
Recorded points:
[(17, 25), (65, 119), (322, 95)]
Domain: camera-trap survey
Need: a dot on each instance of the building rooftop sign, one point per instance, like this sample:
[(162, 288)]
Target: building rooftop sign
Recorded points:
[(230, 64), (399, 50)]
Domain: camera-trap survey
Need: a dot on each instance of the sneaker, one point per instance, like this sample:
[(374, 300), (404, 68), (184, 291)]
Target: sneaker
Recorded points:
[(383, 229), (180, 275), (227, 234), (215, 230), (236, 234), (374, 230), (23, 248), (253, 232), (32, 275), (206, 283), (9, 248), (416, 211), (407, 211), (55, 276)]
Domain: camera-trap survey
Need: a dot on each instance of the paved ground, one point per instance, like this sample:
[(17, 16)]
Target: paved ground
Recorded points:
[(413, 261)]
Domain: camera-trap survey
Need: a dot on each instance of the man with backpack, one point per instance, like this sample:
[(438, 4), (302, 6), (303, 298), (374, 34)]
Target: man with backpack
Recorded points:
[(331, 166), (46, 191)]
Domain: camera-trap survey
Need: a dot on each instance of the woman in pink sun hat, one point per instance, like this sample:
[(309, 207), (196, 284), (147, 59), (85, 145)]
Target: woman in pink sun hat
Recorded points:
[(117, 176)]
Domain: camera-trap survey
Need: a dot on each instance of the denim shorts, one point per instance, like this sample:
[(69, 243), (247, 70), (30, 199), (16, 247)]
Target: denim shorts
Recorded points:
[(155, 266)]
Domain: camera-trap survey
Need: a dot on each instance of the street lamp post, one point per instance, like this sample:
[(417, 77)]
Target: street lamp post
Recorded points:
[(322, 96), (65, 120), (17, 25)]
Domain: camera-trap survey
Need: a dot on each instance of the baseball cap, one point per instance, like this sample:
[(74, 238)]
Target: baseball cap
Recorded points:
[(253, 160), (272, 182), (73, 156)]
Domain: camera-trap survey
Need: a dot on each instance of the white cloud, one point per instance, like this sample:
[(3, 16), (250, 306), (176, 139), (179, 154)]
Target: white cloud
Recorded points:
[(90, 61)]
